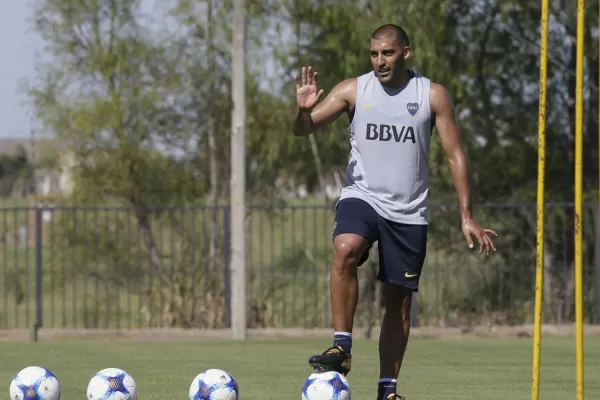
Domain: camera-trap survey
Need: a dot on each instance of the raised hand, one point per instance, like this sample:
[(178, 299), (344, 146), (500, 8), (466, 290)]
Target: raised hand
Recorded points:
[(307, 91)]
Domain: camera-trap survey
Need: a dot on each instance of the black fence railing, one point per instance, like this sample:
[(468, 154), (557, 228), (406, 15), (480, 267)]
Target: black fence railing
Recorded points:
[(120, 267)]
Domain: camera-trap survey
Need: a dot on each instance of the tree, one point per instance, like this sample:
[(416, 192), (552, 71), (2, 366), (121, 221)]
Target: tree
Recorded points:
[(16, 174), (112, 96), (486, 54), (146, 116)]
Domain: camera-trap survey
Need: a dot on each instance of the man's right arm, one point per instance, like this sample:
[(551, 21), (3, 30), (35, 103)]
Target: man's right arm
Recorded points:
[(340, 99)]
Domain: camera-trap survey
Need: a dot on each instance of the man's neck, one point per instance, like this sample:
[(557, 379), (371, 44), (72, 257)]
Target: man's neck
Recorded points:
[(402, 80)]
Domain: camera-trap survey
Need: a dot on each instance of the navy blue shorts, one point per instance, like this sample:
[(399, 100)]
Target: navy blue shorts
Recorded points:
[(402, 247)]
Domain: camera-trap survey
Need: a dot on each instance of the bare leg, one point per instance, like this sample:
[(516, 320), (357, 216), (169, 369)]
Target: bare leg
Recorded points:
[(348, 249), (393, 338)]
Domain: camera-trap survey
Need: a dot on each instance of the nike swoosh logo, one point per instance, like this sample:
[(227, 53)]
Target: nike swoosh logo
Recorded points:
[(368, 107), (407, 275)]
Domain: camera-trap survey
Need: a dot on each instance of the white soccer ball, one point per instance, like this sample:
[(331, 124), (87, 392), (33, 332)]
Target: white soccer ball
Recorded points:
[(214, 384), (326, 386), (35, 383), (111, 384)]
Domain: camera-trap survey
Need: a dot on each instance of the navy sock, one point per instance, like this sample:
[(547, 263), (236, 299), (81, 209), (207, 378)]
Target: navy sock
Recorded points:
[(344, 340), (385, 387)]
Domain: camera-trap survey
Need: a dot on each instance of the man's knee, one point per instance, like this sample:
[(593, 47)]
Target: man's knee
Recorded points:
[(348, 250), (397, 300)]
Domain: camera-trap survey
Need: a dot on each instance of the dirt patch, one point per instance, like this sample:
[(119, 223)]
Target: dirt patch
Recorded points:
[(161, 335)]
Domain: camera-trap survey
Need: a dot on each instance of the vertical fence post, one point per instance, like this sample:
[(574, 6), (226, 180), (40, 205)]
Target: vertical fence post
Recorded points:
[(227, 264), (38, 273), (597, 263)]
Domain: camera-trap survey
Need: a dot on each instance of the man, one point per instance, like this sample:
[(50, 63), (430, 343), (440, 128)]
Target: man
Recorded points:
[(392, 112)]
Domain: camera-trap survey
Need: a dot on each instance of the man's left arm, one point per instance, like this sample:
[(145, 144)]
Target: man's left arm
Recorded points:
[(450, 138)]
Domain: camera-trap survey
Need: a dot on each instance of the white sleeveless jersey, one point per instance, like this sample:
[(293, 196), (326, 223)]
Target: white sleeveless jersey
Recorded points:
[(389, 136)]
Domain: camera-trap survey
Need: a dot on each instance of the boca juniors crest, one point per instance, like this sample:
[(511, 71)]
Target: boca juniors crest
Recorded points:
[(412, 108)]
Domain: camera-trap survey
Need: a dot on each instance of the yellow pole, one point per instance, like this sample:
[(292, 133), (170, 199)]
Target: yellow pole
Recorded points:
[(579, 200), (539, 261)]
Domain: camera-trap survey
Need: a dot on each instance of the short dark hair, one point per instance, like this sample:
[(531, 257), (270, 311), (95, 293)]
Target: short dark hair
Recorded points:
[(390, 29)]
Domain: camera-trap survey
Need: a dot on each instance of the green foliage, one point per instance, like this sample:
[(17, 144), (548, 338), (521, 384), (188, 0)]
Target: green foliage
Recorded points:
[(146, 118), (16, 173)]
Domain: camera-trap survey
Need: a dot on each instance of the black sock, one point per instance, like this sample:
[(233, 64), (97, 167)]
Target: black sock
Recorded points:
[(385, 387), (344, 340)]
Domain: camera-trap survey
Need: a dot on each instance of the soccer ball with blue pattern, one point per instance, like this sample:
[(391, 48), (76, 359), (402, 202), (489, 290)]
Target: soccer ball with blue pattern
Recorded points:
[(214, 384), (35, 383), (329, 385), (112, 384)]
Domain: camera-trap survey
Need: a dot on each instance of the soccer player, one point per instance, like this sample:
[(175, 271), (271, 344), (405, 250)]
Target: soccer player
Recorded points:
[(392, 112)]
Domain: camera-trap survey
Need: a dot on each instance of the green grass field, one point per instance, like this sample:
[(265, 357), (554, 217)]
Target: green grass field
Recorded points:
[(482, 369)]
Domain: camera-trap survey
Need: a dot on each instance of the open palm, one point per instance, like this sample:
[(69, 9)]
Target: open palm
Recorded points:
[(307, 90)]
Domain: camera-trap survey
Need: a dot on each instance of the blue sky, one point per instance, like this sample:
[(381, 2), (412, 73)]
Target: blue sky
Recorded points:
[(18, 46)]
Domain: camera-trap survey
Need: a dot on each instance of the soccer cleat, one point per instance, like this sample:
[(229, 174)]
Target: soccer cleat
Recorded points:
[(394, 396), (333, 359)]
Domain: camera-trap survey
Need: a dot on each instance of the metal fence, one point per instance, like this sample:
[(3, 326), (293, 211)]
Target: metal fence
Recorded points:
[(123, 267)]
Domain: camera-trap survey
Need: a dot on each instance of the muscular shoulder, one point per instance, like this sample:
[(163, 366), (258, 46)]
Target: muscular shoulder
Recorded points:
[(439, 98), (346, 91)]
